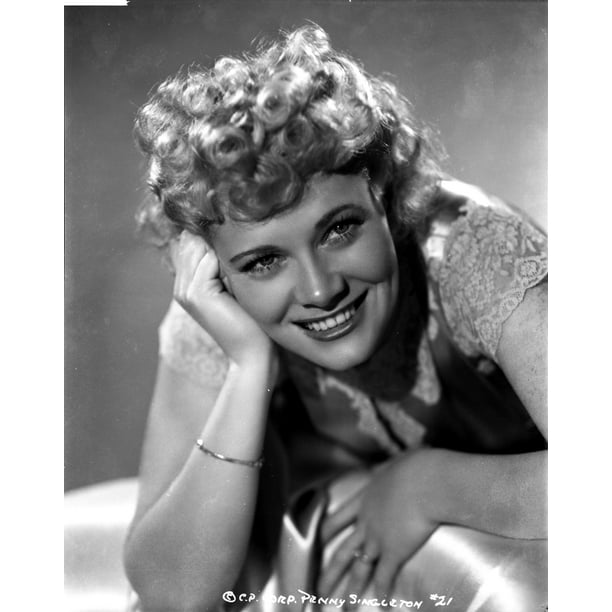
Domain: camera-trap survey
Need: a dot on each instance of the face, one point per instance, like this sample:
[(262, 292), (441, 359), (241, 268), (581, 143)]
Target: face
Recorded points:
[(322, 279)]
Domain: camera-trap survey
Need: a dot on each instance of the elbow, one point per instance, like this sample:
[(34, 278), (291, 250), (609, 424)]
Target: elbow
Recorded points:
[(146, 583), (152, 601), (155, 596), (160, 589)]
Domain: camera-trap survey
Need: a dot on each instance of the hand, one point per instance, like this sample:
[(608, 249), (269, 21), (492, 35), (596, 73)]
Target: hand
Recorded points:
[(390, 521), (200, 290)]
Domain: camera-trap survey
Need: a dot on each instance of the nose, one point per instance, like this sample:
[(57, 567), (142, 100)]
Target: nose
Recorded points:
[(319, 287)]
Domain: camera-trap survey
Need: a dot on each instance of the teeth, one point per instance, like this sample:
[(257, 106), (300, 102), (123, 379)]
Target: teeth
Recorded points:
[(332, 322)]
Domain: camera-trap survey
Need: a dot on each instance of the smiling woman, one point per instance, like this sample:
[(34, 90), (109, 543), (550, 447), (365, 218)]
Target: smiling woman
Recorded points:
[(325, 270), (369, 330)]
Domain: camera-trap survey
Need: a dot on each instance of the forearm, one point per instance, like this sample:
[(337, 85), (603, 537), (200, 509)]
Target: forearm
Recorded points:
[(500, 494), (189, 546)]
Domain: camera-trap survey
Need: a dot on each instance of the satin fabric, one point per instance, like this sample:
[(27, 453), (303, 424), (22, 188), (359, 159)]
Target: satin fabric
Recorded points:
[(480, 572), (469, 570)]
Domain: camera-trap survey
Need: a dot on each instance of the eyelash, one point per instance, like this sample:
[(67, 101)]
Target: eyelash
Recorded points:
[(351, 222), (258, 267)]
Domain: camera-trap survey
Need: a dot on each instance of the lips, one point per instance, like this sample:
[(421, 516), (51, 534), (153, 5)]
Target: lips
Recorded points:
[(333, 325)]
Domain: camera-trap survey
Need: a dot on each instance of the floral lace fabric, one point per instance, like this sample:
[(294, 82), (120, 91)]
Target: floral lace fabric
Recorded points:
[(491, 256), (188, 349)]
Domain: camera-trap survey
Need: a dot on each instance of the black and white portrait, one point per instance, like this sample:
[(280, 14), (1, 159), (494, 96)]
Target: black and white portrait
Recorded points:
[(306, 306)]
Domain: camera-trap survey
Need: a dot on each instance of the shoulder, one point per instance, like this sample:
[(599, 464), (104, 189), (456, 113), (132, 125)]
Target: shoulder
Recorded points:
[(463, 215), (482, 256)]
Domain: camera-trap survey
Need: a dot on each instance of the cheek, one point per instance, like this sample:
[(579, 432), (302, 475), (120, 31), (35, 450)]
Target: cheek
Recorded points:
[(373, 258), (265, 301)]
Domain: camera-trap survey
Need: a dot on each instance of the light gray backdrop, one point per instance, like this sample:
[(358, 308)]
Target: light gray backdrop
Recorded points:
[(475, 71)]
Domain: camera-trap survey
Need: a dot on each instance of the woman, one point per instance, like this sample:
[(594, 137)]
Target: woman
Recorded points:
[(370, 332)]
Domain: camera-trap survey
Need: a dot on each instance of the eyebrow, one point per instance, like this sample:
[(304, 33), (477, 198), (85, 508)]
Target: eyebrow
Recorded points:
[(323, 222), (264, 249), (328, 216)]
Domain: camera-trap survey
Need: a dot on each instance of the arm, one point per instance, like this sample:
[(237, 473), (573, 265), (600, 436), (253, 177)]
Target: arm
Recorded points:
[(189, 536), (507, 494), (491, 257), (188, 539)]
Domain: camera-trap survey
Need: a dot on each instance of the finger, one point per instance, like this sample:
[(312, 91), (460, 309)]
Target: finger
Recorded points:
[(185, 257), (191, 248), (188, 255), (360, 573), (339, 563), (384, 575), (341, 518), (226, 282), (206, 274)]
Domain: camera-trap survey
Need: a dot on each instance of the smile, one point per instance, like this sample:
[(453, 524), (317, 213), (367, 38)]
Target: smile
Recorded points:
[(332, 325)]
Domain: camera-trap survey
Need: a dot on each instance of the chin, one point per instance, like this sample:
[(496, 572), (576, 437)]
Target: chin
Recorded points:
[(341, 364), (347, 359), (342, 354)]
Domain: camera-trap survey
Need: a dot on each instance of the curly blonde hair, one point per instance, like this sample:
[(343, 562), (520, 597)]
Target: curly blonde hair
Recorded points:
[(242, 140)]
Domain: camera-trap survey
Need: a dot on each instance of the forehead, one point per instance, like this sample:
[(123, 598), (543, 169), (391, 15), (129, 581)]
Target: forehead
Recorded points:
[(323, 194)]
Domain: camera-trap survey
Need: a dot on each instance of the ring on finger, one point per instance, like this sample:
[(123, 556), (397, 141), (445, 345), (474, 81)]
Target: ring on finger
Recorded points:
[(362, 557)]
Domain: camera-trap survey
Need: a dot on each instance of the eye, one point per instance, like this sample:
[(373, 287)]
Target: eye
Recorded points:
[(262, 265), (343, 230)]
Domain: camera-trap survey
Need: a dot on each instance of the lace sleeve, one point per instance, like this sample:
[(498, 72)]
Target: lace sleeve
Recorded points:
[(186, 348), (491, 257)]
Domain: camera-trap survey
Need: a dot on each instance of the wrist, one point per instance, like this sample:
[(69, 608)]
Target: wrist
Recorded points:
[(455, 500), (258, 369), (261, 360), (438, 499), (258, 356)]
